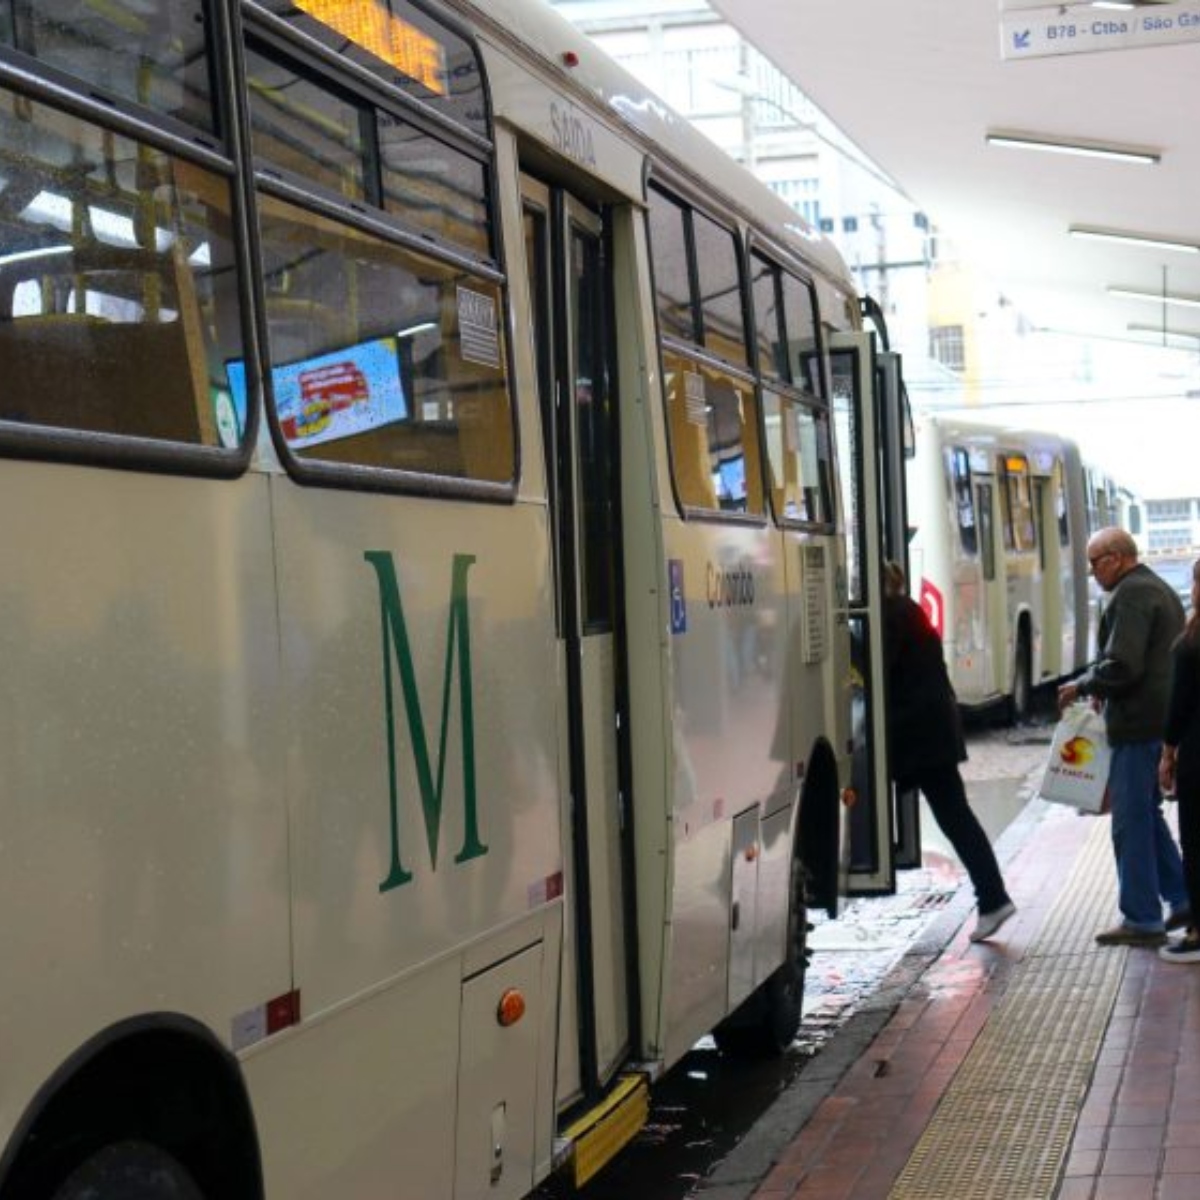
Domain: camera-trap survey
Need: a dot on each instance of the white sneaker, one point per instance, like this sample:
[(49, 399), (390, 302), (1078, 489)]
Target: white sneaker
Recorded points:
[(989, 923), (1186, 950)]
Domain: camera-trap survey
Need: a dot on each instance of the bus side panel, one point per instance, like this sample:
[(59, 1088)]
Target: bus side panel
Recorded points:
[(417, 639), (731, 747), (144, 840), (422, 778), (355, 1099), (819, 686)]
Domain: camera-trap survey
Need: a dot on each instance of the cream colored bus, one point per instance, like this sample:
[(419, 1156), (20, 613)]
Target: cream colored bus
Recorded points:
[(425, 593), (1001, 520)]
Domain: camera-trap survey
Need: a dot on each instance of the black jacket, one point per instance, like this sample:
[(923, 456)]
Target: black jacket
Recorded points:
[(924, 724), (1183, 716)]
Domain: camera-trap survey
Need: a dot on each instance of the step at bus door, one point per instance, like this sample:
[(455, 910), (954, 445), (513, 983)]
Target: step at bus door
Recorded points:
[(571, 290), (868, 417)]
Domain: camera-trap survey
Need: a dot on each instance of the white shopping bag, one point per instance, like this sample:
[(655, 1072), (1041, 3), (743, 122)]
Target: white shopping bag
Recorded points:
[(1077, 773)]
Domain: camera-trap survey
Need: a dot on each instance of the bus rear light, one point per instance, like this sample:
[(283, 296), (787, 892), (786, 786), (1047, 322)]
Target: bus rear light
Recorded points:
[(931, 604), (263, 1020), (511, 1008), (283, 1011)]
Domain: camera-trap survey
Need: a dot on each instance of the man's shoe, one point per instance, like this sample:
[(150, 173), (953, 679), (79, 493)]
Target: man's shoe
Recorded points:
[(990, 922), (1186, 950), (1122, 935), (1181, 918)]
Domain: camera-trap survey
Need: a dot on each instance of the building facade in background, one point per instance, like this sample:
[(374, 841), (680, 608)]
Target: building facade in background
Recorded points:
[(708, 73), (966, 346)]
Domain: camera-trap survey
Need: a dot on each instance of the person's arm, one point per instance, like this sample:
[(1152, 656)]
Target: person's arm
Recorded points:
[(1182, 701), (1122, 662)]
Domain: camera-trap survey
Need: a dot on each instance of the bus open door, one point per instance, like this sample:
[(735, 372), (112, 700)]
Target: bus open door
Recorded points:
[(872, 451)]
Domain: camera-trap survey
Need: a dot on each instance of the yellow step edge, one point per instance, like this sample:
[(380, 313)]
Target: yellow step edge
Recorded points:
[(597, 1136)]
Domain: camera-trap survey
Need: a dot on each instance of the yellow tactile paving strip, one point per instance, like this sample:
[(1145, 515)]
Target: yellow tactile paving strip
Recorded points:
[(1004, 1126)]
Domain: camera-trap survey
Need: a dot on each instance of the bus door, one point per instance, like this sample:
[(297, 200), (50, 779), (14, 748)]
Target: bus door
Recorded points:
[(868, 409), (994, 601), (571, 292), (898, 445)]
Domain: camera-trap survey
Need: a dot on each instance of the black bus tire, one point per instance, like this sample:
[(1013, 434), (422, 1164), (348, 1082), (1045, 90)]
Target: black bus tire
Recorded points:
[(767, 1024), (129, 1170)]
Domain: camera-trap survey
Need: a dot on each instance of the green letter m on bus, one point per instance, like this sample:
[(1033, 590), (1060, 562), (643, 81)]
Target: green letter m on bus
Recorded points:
[(458, 637)]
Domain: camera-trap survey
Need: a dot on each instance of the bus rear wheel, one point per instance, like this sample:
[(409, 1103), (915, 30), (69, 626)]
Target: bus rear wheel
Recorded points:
[(767, 1024), (1021, 701), (129, 1170)]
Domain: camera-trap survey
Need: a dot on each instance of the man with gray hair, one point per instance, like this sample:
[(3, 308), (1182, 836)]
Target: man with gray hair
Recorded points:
[(1130, 678)]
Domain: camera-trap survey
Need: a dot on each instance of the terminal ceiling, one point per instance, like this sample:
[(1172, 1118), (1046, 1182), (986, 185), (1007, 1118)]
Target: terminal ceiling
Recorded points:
[(918, 85)]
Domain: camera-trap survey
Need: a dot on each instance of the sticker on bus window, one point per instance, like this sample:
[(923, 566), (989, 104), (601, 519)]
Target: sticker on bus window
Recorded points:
[(478, 334), (694, 399)]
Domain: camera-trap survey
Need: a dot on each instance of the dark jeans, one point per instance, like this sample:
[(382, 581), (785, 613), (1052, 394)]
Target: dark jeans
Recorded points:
[(947, 799), (1148, 866)]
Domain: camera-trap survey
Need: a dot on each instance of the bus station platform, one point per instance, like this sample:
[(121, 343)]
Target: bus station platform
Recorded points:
[(1038, 1065)]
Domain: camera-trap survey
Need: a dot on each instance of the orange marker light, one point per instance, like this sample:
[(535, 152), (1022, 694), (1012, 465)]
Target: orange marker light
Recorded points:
[(511, 1008)]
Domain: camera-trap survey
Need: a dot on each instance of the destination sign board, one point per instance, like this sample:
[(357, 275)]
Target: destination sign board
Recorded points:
[(1084, 28)]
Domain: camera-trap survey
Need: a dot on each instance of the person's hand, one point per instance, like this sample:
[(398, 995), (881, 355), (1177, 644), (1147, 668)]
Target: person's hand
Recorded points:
[(1166, 771), (1068, 693)]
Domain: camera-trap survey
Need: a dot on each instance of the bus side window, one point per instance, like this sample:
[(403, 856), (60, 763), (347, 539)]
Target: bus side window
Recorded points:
[(713, 424), (798, 454), (719, 278), (987, 532), (151, 53), (1060, 503), (382, 356), (712, 407), (1017, 498), (385, 354), (672, 286), (796, 421), (964, 501), (119, 297)]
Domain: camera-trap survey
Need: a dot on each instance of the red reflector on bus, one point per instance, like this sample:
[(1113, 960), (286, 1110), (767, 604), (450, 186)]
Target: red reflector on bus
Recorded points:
[(511, 1008), (283, 1011), (931, 602)]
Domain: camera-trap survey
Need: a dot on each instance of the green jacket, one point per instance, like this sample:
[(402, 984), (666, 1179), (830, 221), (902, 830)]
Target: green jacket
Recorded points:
[(1132, 673)]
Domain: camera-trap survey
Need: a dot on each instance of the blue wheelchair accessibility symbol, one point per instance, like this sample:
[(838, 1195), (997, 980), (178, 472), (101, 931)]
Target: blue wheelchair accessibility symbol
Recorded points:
[(678, 599)]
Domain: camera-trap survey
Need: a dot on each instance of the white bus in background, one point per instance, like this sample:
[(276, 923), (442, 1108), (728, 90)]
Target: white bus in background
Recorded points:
[(1001, 519), (426, 605)]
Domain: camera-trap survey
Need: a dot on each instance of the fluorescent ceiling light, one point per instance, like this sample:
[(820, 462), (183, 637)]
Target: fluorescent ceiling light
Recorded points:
[(1024, 141), (1133, 239), (413, 330), (1138, 327), (1157, 297), (27, 255)]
